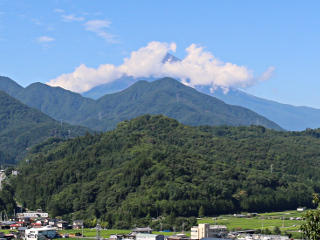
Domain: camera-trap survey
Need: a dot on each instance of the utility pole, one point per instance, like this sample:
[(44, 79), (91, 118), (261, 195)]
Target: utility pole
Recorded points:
[(98, 236), (82, 228)]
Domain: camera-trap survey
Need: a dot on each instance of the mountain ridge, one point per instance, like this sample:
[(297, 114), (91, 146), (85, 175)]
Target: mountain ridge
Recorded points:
[(297, 118), (169, 97), (164, 96), (289, 117)]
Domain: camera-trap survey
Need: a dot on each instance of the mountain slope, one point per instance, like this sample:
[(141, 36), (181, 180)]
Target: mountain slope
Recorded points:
[(53, 101), (168, 97), (9, 86), (287, 116), (153, 165), (21, 127), (113, 87)]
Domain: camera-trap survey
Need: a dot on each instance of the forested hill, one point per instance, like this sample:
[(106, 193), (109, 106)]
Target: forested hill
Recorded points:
[(153, 165), (22, 127), (168, 97)]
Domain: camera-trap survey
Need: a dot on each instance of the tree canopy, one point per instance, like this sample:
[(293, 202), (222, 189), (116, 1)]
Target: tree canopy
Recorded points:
[(153, 166)]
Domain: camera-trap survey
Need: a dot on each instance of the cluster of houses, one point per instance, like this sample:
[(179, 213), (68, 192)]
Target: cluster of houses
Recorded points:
[(38, 226), (203, 231), (197, 232), (35, 225)]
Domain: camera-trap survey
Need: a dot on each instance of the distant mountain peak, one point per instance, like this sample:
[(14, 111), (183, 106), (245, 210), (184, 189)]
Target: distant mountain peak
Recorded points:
[(170, 58)]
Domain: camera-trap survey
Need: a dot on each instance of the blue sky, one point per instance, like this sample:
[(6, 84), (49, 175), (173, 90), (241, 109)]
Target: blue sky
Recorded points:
[(267, 48)]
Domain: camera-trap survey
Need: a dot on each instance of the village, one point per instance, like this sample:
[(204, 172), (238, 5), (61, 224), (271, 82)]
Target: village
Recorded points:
[(33, 225)]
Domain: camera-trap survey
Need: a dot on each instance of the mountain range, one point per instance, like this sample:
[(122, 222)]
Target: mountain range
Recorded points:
[(164, 96), (289, 117)]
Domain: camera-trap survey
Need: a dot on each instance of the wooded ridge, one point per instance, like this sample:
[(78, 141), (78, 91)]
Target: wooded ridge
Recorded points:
[(154, 166)]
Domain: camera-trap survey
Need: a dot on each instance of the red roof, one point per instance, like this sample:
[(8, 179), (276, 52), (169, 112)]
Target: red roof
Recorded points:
[(36, 224)]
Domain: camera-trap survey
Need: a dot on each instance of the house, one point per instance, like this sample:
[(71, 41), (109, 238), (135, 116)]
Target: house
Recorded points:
[(62, 225), (22, 231), (205, 230), (33, 214), (77, 224), (6, 224), (40, 233), (116, 237), (53, 222)]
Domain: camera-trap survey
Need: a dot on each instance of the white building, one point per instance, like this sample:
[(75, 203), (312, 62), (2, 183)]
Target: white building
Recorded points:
[(148, 236), (32, 214), (205, 230), (40, 233)]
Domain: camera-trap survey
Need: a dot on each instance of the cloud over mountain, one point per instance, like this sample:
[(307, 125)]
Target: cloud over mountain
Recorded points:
[(199, 67)]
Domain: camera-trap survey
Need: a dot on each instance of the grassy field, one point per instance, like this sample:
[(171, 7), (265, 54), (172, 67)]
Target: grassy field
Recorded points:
[(270, 221)]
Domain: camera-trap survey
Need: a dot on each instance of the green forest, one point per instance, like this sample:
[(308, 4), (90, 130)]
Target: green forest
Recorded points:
[(21, 127), (154, 166)]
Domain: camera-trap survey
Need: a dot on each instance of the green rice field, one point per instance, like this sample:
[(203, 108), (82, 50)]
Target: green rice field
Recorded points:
[(270, 221)]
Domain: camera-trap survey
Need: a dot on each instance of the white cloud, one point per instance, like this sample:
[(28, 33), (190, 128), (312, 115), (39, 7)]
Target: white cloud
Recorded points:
[(72, 18), (45, 39), (85, 78), (267, 75), (59, 10), (198, 68), (98, 27), (37, 22), (147, 61)]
